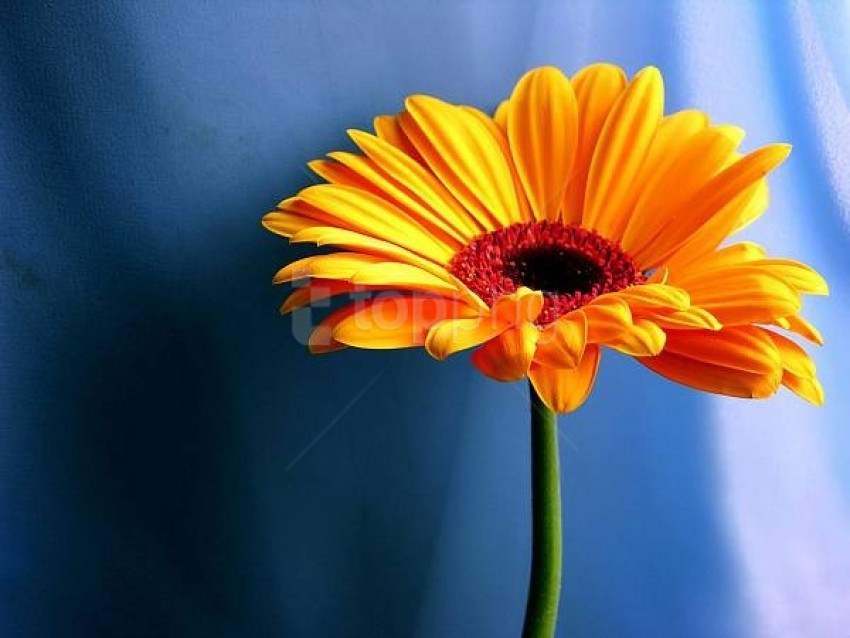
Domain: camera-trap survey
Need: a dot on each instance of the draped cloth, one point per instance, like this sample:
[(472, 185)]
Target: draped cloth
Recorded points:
[(173, 462)]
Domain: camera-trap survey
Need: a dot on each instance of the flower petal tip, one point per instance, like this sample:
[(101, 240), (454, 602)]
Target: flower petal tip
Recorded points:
[(650, 74)]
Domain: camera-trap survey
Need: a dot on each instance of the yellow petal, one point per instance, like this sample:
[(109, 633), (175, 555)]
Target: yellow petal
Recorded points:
[(336, 173), (542, 130), (523, 212), (743, 295), (809, 389), (654, 296), (734, 133), (732, 255), (674, 131), (397, 321), (800, 277), (309, 213), (366, 213), (597, 88), (562, 343), (421, 185), (691, 319), (566, 389), (611, 323), (640, 339), (456, 334), (606, 319), (402, 275), (323, 235), (508, 356), (621, 149), (333, 266), (387, 128), (440, 222), (453, 335), (794, 359), (342, 238), (463, 154), (286, 224)]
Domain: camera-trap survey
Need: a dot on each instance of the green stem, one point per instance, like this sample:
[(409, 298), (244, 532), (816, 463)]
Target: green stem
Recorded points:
[(544, 588)]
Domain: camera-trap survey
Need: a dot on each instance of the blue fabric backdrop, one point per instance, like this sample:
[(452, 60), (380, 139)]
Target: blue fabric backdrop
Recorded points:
[(173, 462)]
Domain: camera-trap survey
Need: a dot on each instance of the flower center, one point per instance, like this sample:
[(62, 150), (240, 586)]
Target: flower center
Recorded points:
[(570, 265)]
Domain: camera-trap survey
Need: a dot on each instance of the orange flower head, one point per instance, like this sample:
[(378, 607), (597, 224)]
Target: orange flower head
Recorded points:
[(579, 217)]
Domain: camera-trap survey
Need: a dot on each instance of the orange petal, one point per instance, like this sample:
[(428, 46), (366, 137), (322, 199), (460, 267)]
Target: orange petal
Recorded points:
[(566, 389), (524, 305), (337, 173), (611, 322), (500, 116), (453, 335), (508, 356), (709, 201), (800, 326), (747, 205), (743, 295), (321, 339), (639, 339), (673, 132), (597, 88), (523, 212), (621, 149), (745, 348), (333, 266), (542, 130), (794, 359), (732, 255), (351, 240), (809, 389), (464, 155), (654, 296), (713, 378), (317, 290), (441, 221), (398, 321), (677, 176), (418, 183), (388, 128), (450, 336), (802, 278), (562, 343), (403, 276), (287, 224), (366, 213), (606, 320), (691, 319)]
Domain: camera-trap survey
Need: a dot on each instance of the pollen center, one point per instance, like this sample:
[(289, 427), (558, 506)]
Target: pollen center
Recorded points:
[(570, 265)]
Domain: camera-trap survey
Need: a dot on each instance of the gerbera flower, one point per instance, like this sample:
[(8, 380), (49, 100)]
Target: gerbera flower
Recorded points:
[(579, 217)]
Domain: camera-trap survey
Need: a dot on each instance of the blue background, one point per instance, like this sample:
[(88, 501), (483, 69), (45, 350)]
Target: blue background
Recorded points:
[(174, 463)]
